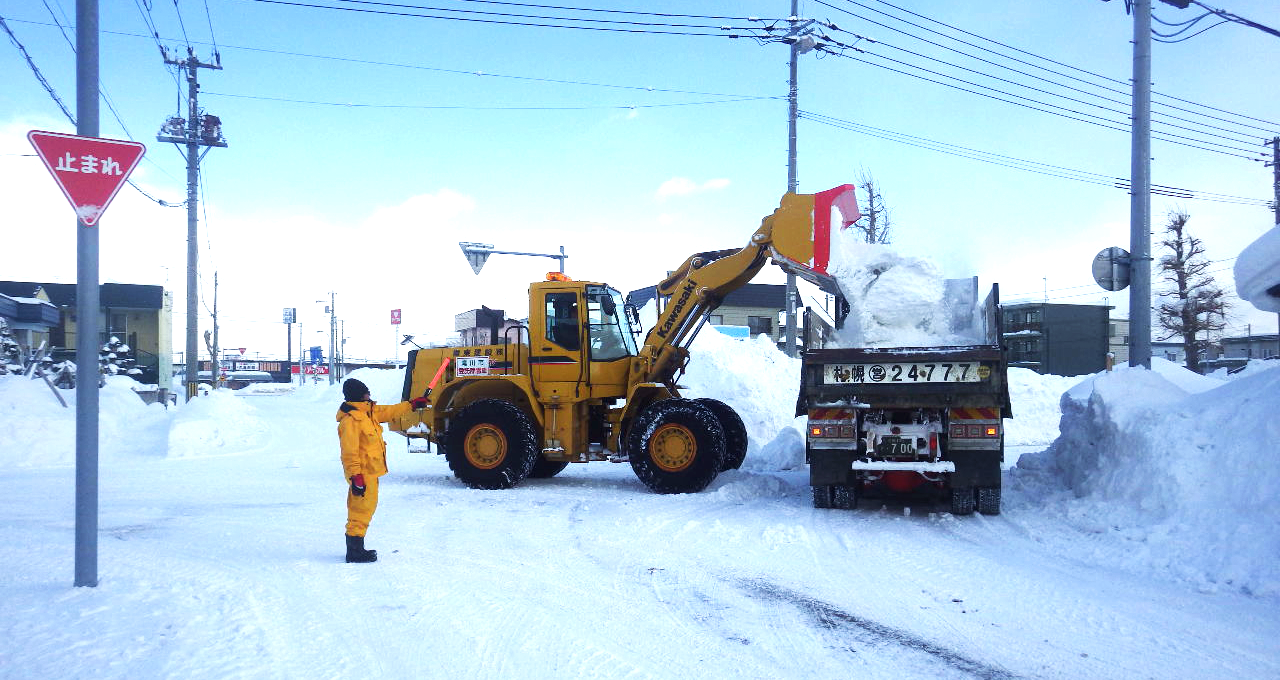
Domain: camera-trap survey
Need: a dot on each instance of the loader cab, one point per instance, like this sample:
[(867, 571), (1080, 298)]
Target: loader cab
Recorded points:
[(580, 335)]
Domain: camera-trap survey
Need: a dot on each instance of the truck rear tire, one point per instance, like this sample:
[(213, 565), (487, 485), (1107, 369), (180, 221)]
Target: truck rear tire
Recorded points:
[(491, 444), (676, 446), (962, 500), (822, 497), (844, 497), (989, 500), (545, 469), (735, 433)]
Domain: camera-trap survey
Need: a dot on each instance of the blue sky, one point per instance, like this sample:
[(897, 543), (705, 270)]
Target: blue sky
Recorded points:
[(631, 150)]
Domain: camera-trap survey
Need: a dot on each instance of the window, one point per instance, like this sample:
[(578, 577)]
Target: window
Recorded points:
[(716, 320), (562, 320), (610, 333), (760, 324)]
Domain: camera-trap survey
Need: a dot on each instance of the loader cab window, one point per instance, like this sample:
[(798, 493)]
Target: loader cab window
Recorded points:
[(562, 320), (610, 333)]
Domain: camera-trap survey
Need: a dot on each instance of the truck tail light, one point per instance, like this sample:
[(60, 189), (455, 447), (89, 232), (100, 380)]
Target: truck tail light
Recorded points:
[(933, 443), (846, 431), (815, 431), (993, 431)]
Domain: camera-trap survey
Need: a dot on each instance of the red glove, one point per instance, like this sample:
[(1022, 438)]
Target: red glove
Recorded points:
[(420, 403), (357, 485)]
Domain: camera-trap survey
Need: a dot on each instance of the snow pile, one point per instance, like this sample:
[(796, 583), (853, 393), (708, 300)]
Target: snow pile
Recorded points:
[(218, 424), (757, 380), (1257, 272), (894, 300), (36, 431), (1036, 410), (1183, 472)]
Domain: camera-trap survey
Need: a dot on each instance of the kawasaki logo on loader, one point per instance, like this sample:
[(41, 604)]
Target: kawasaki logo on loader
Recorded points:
[(674, 314)]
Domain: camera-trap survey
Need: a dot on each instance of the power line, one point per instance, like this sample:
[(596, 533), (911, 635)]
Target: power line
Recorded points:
[(58, 100), (1062, 112), (722, 31), (1077, 69), (1248, 136), (453, 71), (558, 8), (1035, 167), (489, 108)]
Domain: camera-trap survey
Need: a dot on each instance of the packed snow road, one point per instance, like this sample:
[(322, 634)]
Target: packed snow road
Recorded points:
[(231, 566)]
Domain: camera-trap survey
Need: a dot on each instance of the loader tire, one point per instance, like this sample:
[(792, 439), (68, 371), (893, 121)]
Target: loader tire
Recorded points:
[(491, 444), (735, 433), (545, 469), (989, 500), (962, 500), (676, 446)]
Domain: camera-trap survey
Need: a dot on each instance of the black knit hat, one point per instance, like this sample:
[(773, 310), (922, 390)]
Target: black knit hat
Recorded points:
[(354, 390)]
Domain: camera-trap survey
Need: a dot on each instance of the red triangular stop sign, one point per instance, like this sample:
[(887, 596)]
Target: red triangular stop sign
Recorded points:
[(89, 170)]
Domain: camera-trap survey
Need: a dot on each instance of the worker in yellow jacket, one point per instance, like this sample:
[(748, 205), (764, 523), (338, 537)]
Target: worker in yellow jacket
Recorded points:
[(364, 458)]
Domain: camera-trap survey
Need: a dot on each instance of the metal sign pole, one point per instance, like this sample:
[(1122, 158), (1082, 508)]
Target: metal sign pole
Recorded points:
[(86, 560)]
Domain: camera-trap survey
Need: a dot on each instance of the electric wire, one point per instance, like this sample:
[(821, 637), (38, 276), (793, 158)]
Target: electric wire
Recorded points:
[(182, 25), (491, 108), (1237, 19), (1061, 112), (610, 11), (1035, 167), (1248, 137), (1020, 72), (463, 72), (63, 107), (721, 29), (1077, 69), (511, 15)]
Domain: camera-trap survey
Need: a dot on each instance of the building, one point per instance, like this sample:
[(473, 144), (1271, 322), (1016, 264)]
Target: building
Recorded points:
[(1251, 347), (485, 326), (1058, 339), (141, 316), (755, 306), (30, 319)]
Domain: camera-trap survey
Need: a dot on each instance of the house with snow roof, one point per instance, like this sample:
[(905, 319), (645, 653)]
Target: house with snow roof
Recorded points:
[(140, 315)]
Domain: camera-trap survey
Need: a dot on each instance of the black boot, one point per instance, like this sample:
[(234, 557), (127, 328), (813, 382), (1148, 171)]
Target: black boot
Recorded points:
[(356, 551)]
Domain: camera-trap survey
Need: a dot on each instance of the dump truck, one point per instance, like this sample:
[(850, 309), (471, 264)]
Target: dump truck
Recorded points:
[(572, 385), (909, 422)]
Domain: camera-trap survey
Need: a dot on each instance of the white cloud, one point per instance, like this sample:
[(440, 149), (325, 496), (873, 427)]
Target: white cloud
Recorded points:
[(683, 186)]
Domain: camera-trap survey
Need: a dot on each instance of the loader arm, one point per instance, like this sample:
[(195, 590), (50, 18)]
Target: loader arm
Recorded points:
[(797, 236)]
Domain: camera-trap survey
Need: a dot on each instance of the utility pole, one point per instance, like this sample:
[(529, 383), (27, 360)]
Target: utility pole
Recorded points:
[(86, 546), (792, 183), (1275, 174), (1140, 186), (215, 367), (333, 329), (194, 132)]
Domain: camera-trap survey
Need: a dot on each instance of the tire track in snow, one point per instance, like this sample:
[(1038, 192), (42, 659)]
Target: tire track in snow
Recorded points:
[(870, 633)]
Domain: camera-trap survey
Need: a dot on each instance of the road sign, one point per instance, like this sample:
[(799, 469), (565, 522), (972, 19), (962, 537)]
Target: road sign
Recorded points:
[(395, 317), (290, 313), (89, 170), (476, 253), (1111, 268)]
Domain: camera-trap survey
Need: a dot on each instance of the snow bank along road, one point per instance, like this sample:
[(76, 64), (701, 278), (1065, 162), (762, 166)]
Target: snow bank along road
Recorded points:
[(231, 566)]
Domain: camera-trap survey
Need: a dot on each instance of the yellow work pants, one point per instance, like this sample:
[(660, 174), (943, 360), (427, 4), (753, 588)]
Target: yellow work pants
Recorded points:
[(360, 508)]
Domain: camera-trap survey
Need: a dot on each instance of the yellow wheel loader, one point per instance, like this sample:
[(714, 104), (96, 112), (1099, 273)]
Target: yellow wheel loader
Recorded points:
[(572, 386)]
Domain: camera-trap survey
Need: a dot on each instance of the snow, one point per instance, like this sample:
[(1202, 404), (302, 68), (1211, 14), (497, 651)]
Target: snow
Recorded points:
[(1257, 270), (894, 300), (1141, 543)]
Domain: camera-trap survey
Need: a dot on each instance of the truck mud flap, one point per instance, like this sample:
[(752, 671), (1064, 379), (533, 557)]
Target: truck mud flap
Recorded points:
[(975, 468), (828, 466)]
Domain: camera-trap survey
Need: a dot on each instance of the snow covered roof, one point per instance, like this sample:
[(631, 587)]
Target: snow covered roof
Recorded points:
[(118, 295)]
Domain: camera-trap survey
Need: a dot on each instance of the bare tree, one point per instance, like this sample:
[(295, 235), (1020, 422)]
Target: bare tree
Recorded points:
[(876, 220), (1191, 303)]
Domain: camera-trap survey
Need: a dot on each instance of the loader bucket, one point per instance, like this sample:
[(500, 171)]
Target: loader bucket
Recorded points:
[(801, 232)]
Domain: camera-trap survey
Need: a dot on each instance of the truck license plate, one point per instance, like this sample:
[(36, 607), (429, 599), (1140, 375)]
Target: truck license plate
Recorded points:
[(896, 446), (940, 372)]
